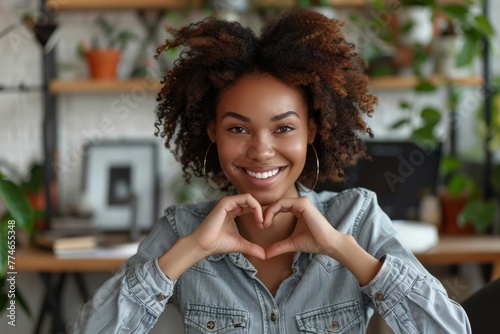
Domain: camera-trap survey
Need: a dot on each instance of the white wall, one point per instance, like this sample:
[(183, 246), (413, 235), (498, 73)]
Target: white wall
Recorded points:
[(80, 114)]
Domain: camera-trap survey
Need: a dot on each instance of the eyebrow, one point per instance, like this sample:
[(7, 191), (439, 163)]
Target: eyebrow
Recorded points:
[(273, 119)]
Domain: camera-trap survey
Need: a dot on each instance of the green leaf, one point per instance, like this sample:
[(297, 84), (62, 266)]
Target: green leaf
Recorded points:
[(460, 184), (479, 213), (424, 86), (404, 105), (424, 133), (400, 123), (449, 165), (304, 3), (431, 116), (483, 25), (35, 180), (455, 10), (17, 203), (407, 27), (454, 96), (466, 54)]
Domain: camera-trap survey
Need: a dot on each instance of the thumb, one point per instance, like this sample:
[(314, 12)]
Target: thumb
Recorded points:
[(246, 247), (280, 247)]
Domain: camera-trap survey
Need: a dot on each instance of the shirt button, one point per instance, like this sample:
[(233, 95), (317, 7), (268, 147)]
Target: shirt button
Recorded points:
[(335, 325), (160, 297), (273, 316), (379, 296), (211, 324)]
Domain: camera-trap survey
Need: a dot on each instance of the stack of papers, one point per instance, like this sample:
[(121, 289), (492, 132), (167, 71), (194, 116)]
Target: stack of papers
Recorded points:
[(121, 251)]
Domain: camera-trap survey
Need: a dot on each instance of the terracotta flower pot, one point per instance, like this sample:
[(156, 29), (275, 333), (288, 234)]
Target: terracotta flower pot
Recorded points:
[(103, 64), (451, 208)]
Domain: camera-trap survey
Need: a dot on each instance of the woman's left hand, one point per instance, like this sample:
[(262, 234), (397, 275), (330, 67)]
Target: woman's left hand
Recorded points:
[(312, 234)]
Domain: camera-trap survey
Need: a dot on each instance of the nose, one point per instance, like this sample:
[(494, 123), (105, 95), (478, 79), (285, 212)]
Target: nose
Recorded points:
[(260, 149)]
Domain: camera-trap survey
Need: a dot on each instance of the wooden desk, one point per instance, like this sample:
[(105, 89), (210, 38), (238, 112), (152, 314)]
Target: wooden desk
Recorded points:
[(54, 272), (465, 249), (450, 250), (42, 260)]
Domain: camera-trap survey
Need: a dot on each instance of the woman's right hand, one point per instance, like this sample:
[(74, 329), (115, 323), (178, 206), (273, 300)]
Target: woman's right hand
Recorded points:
[(218, 233)]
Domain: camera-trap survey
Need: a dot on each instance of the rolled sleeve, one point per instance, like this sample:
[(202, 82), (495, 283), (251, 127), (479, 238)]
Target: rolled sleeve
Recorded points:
[(391, 284), (412, 302), (150, 286)]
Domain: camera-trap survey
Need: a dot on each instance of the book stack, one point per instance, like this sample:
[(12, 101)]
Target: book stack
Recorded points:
[(68, 236), (62, 244)]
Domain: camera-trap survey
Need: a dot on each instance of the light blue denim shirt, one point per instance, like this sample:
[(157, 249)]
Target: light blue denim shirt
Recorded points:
[(221, 294)]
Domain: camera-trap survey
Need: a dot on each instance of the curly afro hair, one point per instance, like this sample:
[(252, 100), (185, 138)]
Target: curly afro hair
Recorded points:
[(303, 49)]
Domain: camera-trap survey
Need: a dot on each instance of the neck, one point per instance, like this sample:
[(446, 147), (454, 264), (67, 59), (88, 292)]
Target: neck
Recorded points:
[(281, 228)]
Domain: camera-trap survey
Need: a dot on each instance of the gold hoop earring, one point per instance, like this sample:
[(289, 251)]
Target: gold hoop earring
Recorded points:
[(204, 170), (317, 170)]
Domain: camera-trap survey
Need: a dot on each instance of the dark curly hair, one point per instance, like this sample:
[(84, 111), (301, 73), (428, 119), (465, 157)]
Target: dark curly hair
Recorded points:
[(303, 49)]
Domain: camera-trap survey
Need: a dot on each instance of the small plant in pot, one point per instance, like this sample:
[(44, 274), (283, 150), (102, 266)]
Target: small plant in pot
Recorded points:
[(103, 55), (465, 209)]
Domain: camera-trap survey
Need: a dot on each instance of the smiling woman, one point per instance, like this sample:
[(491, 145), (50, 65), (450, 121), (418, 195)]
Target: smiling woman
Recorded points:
[(261, 116), (262, 129)]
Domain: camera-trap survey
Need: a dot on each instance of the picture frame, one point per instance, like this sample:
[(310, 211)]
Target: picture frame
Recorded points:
[(120, 184)]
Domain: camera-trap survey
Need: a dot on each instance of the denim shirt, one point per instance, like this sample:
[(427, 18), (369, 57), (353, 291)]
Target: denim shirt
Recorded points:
[(221, 294)]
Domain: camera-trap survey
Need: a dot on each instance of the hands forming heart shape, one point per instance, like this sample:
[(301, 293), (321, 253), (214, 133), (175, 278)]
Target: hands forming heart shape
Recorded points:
[(219, 234)]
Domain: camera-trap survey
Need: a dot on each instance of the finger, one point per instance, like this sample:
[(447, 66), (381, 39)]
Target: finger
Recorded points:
[(280, 247), (282, 205), (246, 203), (246, 247)]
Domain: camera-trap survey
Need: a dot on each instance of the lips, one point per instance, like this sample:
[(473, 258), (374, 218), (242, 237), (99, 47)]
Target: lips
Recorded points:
[(264, 174)]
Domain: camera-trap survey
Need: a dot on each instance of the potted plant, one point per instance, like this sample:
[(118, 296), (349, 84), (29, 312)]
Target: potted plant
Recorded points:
[(104, 53)]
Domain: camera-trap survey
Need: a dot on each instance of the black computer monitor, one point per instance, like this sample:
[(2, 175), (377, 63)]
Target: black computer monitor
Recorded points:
[(400, 173)]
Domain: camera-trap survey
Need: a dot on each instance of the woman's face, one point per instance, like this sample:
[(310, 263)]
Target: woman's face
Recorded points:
[(262, 130)]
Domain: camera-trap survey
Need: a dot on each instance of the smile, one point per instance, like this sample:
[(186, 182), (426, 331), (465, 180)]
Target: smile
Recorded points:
[(263, 175)]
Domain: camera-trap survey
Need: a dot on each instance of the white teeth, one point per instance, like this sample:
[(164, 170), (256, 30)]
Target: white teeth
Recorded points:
[(264, 175)]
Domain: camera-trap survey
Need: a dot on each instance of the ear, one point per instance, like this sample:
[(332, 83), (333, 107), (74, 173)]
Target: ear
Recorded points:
[(311, 131), (211, 131)]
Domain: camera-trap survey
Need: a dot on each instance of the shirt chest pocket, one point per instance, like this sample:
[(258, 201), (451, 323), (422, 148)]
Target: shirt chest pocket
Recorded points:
[(208, 319), (339, 318)]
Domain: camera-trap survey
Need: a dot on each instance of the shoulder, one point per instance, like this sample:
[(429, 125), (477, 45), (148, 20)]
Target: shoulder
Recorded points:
[(346, 209), (356, 199), (184, 218)]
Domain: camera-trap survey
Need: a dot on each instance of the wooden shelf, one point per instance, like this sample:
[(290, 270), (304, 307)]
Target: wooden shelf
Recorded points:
[(118, 4), (98, 86), (180, 4), (175, 4), (95, 86), (291, 3), (408, 82)]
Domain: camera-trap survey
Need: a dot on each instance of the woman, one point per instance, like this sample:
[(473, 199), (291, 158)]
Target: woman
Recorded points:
[(260, 117)]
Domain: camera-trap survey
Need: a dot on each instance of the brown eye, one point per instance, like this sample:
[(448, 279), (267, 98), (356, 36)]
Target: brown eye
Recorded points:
[(238, 129), (284, 129)]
